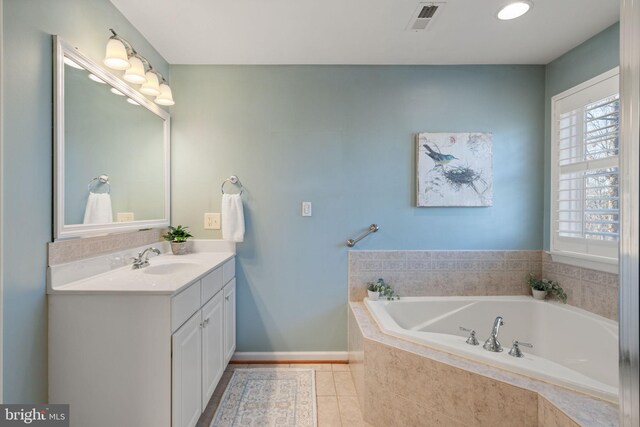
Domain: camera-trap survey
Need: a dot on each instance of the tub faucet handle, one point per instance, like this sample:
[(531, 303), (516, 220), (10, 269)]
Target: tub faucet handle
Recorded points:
[(515, 350), (472, 340)]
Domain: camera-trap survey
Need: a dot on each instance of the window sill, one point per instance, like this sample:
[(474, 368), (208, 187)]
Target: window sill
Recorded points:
[(609, 265)]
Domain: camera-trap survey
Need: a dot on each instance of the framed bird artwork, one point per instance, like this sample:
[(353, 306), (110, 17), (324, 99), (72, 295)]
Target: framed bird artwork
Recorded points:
[(454, 169)]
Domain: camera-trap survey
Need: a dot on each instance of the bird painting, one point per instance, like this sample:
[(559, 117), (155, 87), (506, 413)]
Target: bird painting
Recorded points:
[(439, 158), (454, 169)]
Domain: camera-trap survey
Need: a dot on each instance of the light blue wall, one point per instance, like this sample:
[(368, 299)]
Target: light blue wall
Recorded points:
[(27, 167), (591, 58), (342, 137)]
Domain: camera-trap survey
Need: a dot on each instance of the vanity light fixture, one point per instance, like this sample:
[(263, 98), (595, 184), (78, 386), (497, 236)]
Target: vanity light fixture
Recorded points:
[(165, 97), (135, 74), (116, 56), (138, 70), (514, 10), (152, 85)]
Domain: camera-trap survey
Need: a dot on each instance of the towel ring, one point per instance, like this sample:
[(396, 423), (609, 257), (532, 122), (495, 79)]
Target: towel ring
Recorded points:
[(234, 180), (102, 179)]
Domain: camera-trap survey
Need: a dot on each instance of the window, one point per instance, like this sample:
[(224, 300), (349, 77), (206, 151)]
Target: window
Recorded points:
[(585, 209)]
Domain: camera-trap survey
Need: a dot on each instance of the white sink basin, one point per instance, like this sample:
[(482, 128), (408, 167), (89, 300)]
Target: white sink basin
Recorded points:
[(169, 267)]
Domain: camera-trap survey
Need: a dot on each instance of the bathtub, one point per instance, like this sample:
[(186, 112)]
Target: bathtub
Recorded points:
[(571, 347)]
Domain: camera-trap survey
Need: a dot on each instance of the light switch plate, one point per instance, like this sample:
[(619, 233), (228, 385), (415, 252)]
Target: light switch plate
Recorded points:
[(125, 217), (212, 221), (306, 208)]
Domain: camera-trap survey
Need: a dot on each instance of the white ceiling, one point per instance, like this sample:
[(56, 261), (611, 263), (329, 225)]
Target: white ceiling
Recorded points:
[(362, 31)]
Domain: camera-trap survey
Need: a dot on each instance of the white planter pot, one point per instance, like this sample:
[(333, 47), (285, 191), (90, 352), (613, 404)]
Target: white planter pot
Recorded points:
[(539, 294), (179, 248), (373, 296)]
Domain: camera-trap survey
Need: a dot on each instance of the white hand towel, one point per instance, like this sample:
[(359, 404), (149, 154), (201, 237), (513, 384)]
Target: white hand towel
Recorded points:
[(98, 210), (232, 218)]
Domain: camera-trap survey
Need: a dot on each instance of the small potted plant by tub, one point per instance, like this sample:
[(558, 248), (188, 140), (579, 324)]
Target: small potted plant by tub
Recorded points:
[(381, 289), (178, 236), (541, 288), (373, 291)]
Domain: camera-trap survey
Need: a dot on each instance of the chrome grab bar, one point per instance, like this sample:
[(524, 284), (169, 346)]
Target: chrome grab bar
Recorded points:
[(372, 229)]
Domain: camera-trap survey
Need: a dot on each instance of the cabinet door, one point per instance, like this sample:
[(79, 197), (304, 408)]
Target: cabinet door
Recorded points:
[(187, 372), (229, 320), (212, 343)]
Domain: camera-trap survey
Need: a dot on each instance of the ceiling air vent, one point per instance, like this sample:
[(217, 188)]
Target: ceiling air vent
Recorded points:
[(423, 16)]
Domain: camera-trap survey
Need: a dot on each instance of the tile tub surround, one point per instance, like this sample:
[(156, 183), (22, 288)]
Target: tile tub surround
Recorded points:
[(444, 273), (64, 251), (473, 273), (591, 290), (423, 386)]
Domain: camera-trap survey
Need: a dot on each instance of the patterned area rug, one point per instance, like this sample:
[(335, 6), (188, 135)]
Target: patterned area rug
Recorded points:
[(268, 397)]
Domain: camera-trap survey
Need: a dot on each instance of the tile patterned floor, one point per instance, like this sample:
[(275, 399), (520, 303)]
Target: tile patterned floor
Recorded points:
[(337, 401)]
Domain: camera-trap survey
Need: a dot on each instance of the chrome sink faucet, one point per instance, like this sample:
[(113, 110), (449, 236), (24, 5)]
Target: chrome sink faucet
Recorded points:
[(142, 260), (492, 343)]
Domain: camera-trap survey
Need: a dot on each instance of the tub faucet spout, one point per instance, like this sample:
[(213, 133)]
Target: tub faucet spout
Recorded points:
[(492, 343)]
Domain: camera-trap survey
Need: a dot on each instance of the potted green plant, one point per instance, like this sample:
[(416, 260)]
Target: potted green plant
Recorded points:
[(381, 289), (541, 288), (178, 236), (373, 291)]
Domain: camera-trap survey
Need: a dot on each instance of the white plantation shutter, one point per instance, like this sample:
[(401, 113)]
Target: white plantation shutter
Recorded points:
[(585, 198)]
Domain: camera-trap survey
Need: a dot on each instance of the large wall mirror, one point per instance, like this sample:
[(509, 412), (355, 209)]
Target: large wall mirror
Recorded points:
[(111, 151)]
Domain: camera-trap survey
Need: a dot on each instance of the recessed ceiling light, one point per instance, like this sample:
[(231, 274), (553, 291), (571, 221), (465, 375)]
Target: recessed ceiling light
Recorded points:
[(514, 10)]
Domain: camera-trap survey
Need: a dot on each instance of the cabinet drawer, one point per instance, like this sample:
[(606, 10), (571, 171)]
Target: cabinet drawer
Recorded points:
[(184, 305), (211, 284), (229, 270)]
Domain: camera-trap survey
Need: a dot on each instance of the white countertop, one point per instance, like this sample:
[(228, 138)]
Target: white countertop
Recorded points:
[(167, 274)]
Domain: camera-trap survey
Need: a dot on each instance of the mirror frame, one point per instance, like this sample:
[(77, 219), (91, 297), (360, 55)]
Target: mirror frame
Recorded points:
[(62, 230)]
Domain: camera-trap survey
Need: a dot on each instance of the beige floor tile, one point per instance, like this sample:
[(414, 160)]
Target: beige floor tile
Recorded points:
[(316, 366), (324, 384), (328, 412), (350, 413), (338, 367), (344, 383)]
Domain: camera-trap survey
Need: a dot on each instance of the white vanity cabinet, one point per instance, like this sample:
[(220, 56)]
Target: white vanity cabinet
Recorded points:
[(229, 320), (142, 359)]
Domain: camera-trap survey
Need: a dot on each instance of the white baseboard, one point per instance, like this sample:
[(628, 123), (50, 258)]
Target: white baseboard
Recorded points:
[(250, 356)]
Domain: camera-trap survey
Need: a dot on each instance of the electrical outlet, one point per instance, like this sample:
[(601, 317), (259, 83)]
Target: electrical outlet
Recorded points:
[(212, 221), (125, 217), (306, 208)]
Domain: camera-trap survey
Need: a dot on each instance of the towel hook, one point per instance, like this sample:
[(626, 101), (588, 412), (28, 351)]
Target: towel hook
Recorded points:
[(234, 180), (102, 179)]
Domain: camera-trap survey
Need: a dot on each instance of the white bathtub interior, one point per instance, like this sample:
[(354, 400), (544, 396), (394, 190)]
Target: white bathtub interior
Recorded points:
[(571, 347)]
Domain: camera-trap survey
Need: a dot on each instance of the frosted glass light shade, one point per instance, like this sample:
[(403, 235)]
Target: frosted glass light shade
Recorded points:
[(135, 74), (116, 56), (165, 97), (151, 87)]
